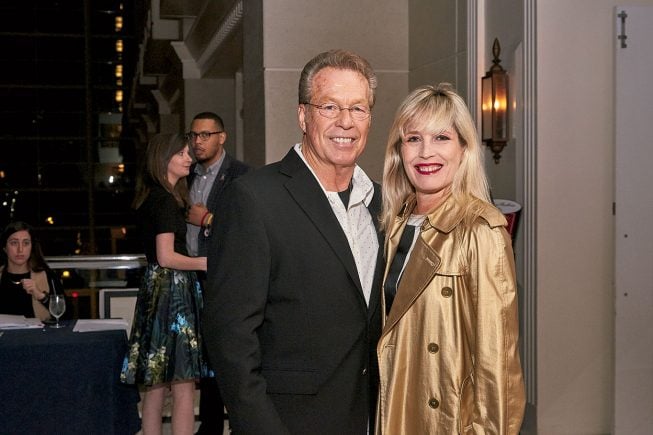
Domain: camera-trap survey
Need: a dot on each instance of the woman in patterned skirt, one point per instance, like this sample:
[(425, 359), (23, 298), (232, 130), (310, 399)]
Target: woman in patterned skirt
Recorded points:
[(165, 342)]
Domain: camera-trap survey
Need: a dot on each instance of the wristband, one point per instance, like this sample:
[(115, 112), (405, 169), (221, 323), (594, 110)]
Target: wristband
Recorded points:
[(203, 217), (45, 299)]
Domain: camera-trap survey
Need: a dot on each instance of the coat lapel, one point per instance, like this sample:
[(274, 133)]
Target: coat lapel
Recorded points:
[(419, 271), (220, 179), (424, 260), (375, 210), (308, 194)]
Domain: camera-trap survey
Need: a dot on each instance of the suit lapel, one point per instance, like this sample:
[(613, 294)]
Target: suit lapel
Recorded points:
[(220, 180), (375, 210), (308, 194)]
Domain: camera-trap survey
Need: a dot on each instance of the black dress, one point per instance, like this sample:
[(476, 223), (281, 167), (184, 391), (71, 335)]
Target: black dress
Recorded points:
[(165, 341)]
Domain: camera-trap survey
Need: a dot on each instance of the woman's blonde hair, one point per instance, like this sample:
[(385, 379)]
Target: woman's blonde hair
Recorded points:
[(434, 108), (160, 150)]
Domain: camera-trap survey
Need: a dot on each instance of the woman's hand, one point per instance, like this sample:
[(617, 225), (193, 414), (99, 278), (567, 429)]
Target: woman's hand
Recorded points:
[(31, 289), (195, 214)]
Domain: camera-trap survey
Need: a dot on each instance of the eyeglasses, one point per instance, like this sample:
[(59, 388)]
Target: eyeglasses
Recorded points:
[(331, 110), (203, 135)]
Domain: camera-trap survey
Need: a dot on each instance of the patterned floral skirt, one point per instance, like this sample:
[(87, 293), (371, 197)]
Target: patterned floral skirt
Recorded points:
[(165, 344)]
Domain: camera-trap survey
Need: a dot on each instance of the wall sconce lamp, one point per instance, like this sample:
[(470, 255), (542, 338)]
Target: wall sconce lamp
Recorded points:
[(494, 106)]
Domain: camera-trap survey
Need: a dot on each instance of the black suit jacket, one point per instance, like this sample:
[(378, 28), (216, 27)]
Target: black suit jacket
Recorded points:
[(229, 171), (287, 328)]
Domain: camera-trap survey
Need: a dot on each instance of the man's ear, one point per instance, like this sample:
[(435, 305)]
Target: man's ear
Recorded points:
[(301, 115)]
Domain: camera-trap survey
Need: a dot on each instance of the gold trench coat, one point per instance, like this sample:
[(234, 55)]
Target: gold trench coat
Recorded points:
[(448, 353)]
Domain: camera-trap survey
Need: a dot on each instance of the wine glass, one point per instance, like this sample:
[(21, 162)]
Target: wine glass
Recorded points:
[(57, 307)]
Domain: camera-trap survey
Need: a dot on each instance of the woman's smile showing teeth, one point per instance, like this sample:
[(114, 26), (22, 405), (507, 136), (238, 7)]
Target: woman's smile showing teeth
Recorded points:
[(431, 157), (426, 169)]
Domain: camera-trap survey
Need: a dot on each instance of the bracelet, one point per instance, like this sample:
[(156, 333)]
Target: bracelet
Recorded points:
[(204, 217), (45, 299), (209, 221)]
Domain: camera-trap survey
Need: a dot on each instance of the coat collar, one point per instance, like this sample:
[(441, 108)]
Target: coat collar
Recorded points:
[(451, 213), (443, 218), (425, 260)]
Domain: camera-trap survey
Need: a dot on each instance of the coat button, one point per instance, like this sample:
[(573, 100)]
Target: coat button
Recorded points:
[(433, 403), (447, 292), (433, 348), (364, 371)]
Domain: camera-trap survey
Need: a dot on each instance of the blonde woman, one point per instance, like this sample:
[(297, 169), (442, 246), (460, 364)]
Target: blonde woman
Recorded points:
[(448, 353)]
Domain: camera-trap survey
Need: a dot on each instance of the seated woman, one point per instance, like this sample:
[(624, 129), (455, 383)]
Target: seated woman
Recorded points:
[(26, 281)]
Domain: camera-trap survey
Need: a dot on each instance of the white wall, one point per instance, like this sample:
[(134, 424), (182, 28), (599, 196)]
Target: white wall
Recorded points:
[(296, 30), (438, 43), (408, 42), (575, 129)]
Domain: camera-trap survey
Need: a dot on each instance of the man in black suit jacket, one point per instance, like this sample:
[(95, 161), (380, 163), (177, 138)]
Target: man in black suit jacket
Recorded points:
[(214, 170), (292, 313)]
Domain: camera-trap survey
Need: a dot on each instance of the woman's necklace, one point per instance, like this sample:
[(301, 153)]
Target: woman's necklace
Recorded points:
[(19, 282)]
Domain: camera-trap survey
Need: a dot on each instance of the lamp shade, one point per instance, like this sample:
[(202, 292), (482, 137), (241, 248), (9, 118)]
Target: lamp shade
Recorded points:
[(494, 105)]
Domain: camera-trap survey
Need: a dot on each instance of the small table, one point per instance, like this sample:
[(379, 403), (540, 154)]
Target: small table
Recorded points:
[(60, 381)]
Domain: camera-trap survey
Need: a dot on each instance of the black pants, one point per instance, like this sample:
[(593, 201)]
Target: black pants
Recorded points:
[(211, 408)]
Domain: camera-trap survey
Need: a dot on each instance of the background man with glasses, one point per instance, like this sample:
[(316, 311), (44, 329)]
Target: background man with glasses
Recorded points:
[(292, 313), (213, 171)]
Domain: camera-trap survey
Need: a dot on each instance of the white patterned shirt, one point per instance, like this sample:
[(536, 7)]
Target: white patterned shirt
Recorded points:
[(356, 222)]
